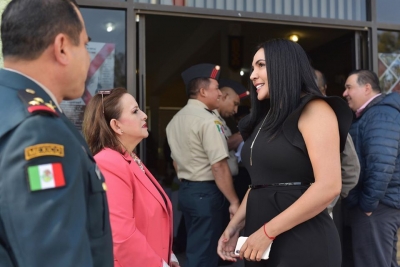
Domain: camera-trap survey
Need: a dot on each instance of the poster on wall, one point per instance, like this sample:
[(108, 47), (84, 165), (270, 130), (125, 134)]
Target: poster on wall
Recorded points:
[(389, 71), (100, 76)]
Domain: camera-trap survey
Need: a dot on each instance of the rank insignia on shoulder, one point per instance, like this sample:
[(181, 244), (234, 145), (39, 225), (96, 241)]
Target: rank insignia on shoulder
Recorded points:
[(41, 150), (31, 91), (45, 176), (36, 104), (220, 127)]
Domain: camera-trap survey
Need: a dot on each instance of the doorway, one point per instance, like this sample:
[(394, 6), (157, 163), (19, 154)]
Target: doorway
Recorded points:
[(172, 44)]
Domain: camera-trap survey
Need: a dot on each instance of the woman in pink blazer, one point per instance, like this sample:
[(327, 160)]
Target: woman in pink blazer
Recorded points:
[(140, 211)]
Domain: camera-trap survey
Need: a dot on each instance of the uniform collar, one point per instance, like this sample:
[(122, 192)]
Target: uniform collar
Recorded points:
[(218, 115), (51, 95), (198, 103)]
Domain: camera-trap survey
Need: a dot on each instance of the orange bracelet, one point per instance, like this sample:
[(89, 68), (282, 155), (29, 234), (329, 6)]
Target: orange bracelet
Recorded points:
[(265, 232)]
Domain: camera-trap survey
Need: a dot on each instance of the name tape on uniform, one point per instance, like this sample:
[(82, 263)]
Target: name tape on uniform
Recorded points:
[(41, 150)]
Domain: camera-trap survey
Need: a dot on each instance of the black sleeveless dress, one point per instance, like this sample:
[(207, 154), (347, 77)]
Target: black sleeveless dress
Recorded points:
[(284, 159)]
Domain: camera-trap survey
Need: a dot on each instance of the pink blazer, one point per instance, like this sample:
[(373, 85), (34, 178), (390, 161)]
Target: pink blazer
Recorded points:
[(141, 222)]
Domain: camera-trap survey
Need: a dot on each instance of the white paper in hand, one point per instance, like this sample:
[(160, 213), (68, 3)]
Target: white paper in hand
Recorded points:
[(243, 239)]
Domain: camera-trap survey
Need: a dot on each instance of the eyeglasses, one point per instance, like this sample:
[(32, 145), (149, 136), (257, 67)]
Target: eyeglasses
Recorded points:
[(102, 93)]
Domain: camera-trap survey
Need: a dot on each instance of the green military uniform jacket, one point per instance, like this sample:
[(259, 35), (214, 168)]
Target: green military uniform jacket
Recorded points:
[(53, 207)]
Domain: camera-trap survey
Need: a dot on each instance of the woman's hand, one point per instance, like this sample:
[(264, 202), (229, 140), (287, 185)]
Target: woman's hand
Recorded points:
[(255, 246), (174, 260), (227, 244)]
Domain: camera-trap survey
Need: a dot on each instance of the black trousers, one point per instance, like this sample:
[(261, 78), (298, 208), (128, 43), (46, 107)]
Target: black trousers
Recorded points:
[(204, 208)]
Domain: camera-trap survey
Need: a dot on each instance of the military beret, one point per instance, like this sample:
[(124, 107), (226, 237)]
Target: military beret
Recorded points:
[(204, 70), (237, 87)]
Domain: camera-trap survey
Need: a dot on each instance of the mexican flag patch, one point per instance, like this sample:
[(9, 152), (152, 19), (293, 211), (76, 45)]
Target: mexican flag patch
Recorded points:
[(45, 176), (220, 127)]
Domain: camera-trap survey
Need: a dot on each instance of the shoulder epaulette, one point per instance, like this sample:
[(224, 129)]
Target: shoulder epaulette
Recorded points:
[(36, 104)]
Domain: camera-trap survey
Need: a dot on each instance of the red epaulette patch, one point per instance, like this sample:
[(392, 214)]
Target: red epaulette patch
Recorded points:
[(33, 109)]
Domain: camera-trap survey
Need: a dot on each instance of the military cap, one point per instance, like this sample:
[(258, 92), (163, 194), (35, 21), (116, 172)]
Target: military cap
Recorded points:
[(204, 70), (237, 87)]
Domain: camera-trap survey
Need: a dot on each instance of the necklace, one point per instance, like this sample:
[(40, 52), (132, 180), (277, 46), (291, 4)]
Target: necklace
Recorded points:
[(138, 161), (252, 144)]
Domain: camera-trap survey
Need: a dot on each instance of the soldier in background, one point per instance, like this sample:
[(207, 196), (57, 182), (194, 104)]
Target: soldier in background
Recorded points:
[(199, 150), (232, 93), (228, 106)]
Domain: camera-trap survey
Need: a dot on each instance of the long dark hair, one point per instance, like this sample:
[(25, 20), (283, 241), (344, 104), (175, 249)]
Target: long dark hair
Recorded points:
[(289, 75)]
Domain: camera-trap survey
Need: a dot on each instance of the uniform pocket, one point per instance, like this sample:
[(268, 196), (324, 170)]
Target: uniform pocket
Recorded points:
[(96, 204)]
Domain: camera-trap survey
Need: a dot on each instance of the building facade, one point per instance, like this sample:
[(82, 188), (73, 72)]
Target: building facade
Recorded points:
[(144, 45), (150, 42)]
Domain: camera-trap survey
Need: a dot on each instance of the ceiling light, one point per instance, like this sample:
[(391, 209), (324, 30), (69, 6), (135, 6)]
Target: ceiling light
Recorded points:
[(294, 38)]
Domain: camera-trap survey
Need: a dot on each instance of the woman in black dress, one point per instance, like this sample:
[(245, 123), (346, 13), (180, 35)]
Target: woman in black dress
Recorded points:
[(292, 152)]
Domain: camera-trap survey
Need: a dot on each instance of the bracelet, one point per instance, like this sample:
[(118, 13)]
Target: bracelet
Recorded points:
[(265, 232)]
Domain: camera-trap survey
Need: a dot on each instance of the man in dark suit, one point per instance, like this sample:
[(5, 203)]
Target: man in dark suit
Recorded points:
[(53, 207)]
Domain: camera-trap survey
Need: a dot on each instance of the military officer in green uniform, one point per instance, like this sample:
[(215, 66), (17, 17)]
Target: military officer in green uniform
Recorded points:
[(199, 150), (53, 207)]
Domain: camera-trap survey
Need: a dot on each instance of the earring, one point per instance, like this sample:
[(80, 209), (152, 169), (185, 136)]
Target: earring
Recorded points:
[(121, 131)]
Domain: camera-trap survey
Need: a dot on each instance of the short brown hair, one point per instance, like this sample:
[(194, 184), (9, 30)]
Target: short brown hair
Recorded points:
[(368, 76), (96, 123)]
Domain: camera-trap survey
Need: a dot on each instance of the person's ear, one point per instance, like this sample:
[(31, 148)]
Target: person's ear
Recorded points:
[(115, 126), (61, 49), (203, 92), (368, 89), (224, 96)]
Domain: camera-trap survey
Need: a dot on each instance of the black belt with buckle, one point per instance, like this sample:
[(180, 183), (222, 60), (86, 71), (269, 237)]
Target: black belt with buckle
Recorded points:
[(189, 181), (277, 184)]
